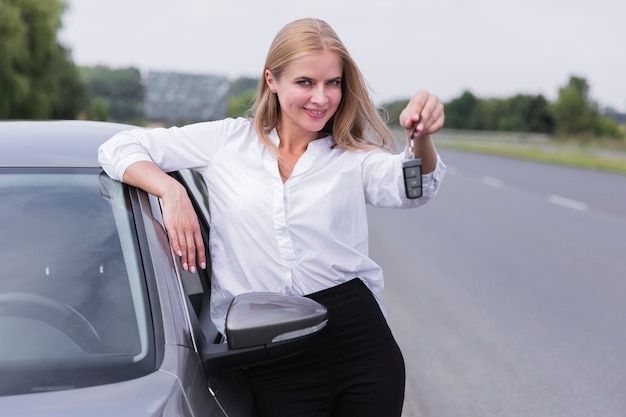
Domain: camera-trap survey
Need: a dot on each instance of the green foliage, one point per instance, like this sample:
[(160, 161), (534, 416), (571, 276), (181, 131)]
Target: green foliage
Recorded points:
[(393, 111), (465, 112), (242, 95), (14, 84), (521, 113), (38, 80), (537, 114), (574, 112), (616, 116), (121, 91), (97, 110), (71, 97), (240, 104), (581, 158), (243, 85), (605, 127)]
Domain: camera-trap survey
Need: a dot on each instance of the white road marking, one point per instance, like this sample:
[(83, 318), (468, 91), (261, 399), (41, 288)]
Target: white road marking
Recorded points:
[(492, 181), (567, 202)]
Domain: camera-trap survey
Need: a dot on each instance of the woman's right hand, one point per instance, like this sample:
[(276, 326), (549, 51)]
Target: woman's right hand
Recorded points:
[(179, 217), (181, 223)]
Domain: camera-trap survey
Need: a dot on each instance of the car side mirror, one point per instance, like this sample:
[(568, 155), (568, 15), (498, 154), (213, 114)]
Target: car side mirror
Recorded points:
[(261, 327)]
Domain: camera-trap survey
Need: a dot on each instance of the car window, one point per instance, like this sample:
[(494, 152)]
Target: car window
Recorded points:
[(73, 308), (197, 189)]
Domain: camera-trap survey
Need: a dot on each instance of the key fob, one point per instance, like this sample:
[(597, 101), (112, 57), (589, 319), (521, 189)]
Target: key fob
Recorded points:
[(412, 171)]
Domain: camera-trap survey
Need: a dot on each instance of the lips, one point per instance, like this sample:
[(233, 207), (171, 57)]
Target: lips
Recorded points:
[(316, 114)]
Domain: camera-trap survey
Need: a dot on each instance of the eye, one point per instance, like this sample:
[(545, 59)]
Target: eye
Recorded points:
[(304, 82), (335, 83)]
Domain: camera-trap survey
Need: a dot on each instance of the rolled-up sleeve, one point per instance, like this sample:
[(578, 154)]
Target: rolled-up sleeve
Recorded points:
[(172, 149), (119, 152), (431, 181)]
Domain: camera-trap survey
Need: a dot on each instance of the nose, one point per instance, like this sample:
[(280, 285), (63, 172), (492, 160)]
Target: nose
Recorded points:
[(318, 95)]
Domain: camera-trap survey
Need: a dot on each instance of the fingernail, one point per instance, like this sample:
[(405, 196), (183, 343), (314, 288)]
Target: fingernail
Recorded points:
[(185, 266), (203, 265), (418, 130), (179, 253), (193, 270)]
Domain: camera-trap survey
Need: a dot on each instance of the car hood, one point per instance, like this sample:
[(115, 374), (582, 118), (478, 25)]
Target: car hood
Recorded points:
[(156, 394)]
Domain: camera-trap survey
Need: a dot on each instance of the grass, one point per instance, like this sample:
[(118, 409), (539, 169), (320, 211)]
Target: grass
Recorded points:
[(553, 155), (601, 156)]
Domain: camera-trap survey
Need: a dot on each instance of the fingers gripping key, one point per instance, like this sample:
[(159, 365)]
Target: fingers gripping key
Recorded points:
[(412, 168)]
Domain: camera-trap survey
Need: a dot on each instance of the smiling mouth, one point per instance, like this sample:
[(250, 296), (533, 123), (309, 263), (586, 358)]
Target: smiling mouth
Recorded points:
[(316, 113)]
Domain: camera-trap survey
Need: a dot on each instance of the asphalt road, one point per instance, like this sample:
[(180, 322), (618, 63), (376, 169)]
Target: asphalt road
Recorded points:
[(507, 293)]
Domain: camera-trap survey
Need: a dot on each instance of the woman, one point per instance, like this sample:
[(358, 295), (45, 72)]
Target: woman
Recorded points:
[(287, 195)]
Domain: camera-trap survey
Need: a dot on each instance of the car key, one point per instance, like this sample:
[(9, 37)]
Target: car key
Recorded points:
[(412, 167)]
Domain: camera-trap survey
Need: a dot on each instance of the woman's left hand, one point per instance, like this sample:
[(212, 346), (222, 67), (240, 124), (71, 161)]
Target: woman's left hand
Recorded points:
[(425, 110)]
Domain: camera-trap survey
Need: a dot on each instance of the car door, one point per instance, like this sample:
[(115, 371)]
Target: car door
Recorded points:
[(262, 327), (231, 388), (176, 336)]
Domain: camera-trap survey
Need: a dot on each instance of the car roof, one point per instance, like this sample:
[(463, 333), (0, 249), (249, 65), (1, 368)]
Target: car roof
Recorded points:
[(72, 143)]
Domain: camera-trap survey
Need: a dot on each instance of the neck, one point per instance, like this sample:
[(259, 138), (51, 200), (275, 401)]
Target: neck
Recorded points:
[(294, 141)]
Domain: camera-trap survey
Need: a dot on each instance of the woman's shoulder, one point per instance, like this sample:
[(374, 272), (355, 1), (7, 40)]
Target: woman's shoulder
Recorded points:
[(224, 130), (230, 124), (234, 134), (239, 121), (240, 127)]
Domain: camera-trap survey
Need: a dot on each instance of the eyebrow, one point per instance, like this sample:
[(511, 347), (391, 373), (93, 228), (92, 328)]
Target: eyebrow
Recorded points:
[(306, 77)]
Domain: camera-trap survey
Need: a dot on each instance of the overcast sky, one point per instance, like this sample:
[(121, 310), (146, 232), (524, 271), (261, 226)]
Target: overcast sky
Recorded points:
[(493, 48)]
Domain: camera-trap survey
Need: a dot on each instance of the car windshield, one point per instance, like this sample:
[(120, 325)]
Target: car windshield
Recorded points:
[(73, 308)]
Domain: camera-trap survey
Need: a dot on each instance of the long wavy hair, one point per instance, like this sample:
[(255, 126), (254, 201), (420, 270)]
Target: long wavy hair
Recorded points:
[(356, 124)]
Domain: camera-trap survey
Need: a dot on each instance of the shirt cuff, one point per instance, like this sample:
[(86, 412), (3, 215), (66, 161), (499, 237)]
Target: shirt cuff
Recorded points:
[(431, 181), (124, 163)]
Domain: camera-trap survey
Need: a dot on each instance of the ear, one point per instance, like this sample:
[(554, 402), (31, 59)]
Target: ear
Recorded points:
[(269, 80)]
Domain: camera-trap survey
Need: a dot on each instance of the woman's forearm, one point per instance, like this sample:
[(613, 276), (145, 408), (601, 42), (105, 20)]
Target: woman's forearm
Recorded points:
[(424, 148), (179, 217), (150, 178)]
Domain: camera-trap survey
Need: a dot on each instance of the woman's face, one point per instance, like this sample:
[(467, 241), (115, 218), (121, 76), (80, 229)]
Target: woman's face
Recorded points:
[(309, 92)]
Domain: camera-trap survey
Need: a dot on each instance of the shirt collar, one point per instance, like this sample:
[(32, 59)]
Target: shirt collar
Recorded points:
[(325, 142)]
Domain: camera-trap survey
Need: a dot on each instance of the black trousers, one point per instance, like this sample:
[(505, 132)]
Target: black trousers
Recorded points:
[(353, 368)]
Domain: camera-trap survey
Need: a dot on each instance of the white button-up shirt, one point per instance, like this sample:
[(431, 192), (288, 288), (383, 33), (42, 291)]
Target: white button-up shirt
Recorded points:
[(303, 236)]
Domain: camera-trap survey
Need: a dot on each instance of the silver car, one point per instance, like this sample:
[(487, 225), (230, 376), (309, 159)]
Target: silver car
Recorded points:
[(97, 318)]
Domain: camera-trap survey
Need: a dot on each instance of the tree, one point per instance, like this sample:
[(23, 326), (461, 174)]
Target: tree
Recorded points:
[(38, 80), (520, 113), (97, 110), (14, 84), (574, 112), (537, 115), (604, 126), (243, 85), (71, 91), (242, 95), (393, 111), (465, 112), (120, 91), (615, 115), (239, 105)]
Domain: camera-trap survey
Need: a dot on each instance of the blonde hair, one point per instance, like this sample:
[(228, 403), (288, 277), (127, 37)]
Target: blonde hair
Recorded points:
[(356, 124)]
